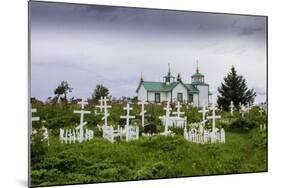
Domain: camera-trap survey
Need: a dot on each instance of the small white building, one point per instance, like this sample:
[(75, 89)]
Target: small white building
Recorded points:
[(173, 90)]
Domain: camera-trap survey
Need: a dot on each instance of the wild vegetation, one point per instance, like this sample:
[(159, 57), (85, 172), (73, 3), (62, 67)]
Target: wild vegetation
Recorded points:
[(149, 157), (98, 160)]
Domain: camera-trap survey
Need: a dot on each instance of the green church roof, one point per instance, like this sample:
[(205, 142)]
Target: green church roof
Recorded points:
[(191, 88), (161, 86), (158, 86), (197, 74)]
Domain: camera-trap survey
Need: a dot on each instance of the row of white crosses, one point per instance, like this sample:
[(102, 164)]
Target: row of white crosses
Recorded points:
[(108, 131), (243, 109), (204, 136), (80, 134), (45, 133)]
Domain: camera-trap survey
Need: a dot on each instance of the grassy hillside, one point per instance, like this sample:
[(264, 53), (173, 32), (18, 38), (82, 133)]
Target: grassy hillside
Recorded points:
[(153, 157)]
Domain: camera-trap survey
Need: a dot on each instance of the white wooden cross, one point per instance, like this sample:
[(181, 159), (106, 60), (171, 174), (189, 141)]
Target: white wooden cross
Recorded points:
[(82, 123), (213, 116), (231, 107), (261, 111), (106, 113), (178, 112), (248, 108), (242, 110), (168, 110), (33, 110), (46, 135), (104, 108), (100, 106), (142, 103), (127, 116), (204, 111)]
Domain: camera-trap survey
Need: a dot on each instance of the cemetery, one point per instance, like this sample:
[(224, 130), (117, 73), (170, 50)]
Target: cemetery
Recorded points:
[(104, 139), (142, 140)]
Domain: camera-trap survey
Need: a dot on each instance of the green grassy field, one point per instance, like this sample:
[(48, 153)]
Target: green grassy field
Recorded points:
[(150, 157)]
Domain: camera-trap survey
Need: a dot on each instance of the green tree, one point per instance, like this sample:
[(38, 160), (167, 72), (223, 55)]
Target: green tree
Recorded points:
[(100, 91), (234, 89), (63, 89)]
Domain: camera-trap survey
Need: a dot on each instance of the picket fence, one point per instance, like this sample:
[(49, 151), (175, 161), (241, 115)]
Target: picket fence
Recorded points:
[(131, 133), (109, 133), (69, 136), (206, 137), (173, 121)]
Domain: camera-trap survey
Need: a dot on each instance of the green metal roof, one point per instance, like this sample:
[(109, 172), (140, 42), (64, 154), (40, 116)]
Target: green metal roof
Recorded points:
[(158, 86), (161, 86), (199, 83), (197, 74), (168, 76), (191, 88)]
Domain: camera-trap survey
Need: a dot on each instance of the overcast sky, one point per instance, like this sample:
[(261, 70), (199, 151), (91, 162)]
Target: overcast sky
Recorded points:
[(88, 45)]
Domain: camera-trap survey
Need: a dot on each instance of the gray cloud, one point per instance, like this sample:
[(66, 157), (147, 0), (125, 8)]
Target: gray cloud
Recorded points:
[(87, 45)]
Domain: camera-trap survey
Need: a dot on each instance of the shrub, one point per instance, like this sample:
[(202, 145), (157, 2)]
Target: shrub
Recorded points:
[(39, 148), (177, 130), (242, 125)]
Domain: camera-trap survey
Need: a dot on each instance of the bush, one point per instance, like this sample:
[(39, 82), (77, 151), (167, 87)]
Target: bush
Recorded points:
[(39, 148), (260, 139), (177, 130), (242, 125), (98, 160)]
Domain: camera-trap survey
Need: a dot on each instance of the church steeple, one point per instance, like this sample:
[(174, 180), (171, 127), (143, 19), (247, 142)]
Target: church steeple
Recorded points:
[(179, 77), (197, 78), (169, 78), (169, 69), (141, 78)]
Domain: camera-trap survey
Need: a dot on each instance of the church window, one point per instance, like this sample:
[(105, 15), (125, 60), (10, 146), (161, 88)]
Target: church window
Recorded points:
[(180, 97), (157, 97), (190, 97)]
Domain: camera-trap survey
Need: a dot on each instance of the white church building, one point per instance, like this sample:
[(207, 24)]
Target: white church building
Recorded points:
[(196, 93)]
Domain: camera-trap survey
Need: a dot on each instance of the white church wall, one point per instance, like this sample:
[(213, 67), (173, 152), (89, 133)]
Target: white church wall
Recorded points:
[(164, 96), (142, 94), (169, 96), (150, 96), (195, 99), (179, 89), (203, 94)]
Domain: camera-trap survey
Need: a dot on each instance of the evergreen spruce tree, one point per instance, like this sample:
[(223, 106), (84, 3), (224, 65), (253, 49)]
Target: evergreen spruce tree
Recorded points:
[(234, 89)]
